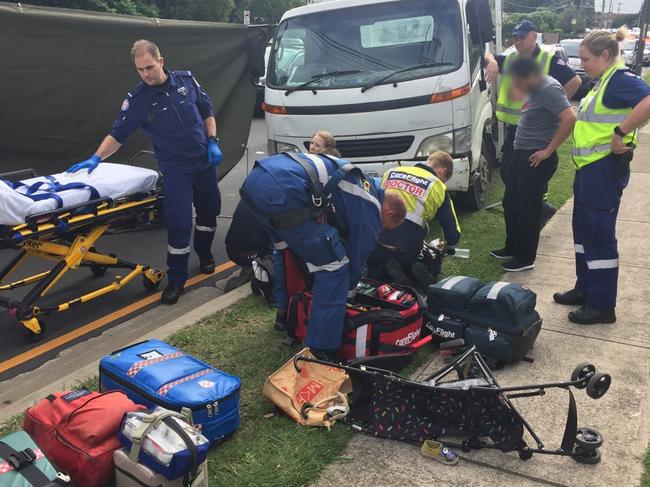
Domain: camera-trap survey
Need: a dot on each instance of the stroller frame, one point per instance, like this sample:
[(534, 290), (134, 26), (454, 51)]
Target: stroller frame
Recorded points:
[(67, 236), (573, 442)]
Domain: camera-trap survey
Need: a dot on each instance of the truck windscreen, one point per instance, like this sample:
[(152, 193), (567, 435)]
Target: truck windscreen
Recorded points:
[(385, 43)]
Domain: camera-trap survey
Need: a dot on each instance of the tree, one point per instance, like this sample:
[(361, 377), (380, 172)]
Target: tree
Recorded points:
[(631, 20), (263, 11), (128, 7), (207, 10)]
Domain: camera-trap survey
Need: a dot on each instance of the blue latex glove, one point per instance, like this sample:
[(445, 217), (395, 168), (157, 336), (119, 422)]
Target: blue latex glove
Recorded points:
[(90, 164), (214, 153)]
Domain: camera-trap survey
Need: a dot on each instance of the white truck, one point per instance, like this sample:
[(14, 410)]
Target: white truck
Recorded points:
[(391, 80)]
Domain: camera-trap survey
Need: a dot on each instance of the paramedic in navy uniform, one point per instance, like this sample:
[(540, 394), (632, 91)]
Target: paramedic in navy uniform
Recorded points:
[(176, 113)]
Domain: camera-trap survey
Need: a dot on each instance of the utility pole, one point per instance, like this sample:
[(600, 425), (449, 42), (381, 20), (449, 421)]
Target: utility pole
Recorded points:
[(618, 11), (575, 20), (640, 45), (604, 19), (608, 22)]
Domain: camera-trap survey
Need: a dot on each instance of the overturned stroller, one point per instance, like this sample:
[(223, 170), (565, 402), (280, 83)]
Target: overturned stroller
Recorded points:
[(472, 406)]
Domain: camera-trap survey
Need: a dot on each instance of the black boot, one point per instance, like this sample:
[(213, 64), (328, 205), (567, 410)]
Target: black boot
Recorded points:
[(171, 294), (207, 266), (280, 321), (591, 316), (396, 273), (570, 298), (422, 275)]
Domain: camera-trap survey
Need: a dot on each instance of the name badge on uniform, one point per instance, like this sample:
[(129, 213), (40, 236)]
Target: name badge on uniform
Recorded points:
[(182, 90)]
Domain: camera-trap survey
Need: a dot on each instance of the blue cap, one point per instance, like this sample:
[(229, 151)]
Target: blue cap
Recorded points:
[(523, 28)]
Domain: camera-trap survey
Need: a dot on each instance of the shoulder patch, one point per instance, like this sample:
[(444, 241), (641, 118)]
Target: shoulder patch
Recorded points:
[(183, 73), (125, 104), (560, 62), (631, 74)]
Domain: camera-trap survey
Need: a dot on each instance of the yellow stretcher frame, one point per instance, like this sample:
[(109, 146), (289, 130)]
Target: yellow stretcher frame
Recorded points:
[(41, 237)]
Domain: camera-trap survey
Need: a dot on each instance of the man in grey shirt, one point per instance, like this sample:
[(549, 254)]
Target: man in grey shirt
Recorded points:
[(547, 119)]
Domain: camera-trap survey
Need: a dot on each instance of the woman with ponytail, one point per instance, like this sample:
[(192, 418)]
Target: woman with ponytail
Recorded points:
[(604, 137)]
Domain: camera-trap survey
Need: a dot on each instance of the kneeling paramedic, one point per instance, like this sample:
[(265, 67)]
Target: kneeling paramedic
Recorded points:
[(176, 113), (423, 188), (330, 215)]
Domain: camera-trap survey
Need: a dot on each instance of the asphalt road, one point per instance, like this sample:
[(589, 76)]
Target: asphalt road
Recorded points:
[(142, 246)]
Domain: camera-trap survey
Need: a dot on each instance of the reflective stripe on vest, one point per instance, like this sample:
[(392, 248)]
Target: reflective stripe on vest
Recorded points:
[(592, 134), (509, 111), (417, 186)]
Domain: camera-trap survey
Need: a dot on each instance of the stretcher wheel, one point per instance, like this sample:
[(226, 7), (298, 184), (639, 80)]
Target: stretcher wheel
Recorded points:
[(588, 456), (150, 285), (598, 385), (582, 373), (525, 454), (588, 438), (98, 270), (32, 336)]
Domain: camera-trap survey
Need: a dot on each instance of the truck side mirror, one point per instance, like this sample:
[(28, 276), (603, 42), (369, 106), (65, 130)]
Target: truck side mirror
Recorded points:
[(256, 47), (479, 18)]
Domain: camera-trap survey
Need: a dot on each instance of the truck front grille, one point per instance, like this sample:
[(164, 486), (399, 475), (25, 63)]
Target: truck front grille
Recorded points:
[(373, 147)]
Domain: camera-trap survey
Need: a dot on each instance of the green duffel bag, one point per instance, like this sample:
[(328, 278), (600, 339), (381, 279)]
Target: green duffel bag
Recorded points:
[(22, 464)]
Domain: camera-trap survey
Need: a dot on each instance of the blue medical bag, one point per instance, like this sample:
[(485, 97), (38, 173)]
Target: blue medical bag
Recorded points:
[(154, 373)]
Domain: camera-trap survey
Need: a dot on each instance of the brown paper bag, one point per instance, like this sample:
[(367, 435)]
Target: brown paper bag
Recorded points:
[(305, 396)]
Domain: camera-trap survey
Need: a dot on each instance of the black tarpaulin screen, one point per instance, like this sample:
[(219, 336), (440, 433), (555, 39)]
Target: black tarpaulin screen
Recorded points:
[(64, 74)]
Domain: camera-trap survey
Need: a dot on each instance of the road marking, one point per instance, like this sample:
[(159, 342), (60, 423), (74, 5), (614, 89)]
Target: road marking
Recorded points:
[(100, 322)]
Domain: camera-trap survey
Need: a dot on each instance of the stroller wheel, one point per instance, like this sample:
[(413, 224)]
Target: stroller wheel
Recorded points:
[(583, 372), (598, 385), (586, 455), (588, 438), (525, 454)]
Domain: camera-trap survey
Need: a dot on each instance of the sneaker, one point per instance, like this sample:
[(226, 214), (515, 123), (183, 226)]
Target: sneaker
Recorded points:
[(591, 316), (514, 265), (439, 452), (501, 254)]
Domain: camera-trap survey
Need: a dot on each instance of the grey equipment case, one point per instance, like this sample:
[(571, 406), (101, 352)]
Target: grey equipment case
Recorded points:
[(129, 473)]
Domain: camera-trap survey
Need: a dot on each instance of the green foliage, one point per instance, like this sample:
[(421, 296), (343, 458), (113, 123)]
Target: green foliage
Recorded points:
[(263, 11), (547, 18), (631, 20), (128, 7), (206, 10)]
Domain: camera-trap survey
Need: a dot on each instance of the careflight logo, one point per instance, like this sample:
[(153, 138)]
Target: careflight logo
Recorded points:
[(409, 183), (408, 339)]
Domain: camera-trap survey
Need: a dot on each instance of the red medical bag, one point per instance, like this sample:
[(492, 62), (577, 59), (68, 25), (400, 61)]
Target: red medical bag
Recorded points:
[(77, 431), (384, 319)]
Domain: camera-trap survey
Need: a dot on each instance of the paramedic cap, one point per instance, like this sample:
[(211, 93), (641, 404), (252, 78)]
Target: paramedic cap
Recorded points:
[(523, 28)]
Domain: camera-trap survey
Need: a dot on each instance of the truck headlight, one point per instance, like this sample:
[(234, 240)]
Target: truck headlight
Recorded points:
[(456, 142), (442, 142), (275, 147)]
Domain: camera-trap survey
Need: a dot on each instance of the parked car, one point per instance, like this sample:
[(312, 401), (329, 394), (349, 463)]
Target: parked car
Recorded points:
[(570, 47)]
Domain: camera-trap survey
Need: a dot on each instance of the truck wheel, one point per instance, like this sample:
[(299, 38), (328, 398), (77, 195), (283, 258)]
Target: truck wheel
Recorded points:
[(475, 198)]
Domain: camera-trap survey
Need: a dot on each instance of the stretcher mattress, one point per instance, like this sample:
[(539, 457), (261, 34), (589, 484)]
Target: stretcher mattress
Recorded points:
[(108, 180)]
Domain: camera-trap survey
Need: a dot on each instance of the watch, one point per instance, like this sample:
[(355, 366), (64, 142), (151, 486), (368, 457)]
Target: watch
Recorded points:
[(619, 132), (215, 138)]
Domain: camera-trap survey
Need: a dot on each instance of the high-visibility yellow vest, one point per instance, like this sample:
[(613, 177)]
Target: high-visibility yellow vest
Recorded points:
[(422, 191), (592, 134), (509, 111)]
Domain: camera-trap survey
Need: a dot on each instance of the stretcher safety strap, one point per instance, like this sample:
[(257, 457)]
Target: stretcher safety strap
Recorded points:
[(579, 248), (602, 264), (494, 292), (331, 267), (138, 366), (361, 340), (200, 228), (323, 177), (451, 282), (167, 387), (175, 251)]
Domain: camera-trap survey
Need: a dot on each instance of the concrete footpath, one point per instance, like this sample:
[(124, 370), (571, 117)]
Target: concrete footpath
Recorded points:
[(622, 350)]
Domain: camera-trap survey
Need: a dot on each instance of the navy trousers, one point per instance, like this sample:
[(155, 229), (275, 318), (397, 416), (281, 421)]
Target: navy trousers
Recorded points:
[(180, 192), (598, 188)]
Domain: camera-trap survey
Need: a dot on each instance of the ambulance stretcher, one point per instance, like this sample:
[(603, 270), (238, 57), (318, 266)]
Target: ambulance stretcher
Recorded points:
[(60, 218)]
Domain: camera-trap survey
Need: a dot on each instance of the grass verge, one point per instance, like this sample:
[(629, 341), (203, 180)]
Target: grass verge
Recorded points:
[(270, 450)]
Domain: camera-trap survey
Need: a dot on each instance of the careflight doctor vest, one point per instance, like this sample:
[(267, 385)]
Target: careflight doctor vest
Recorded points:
[(279, 185), (172, 115), (508, 110)]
